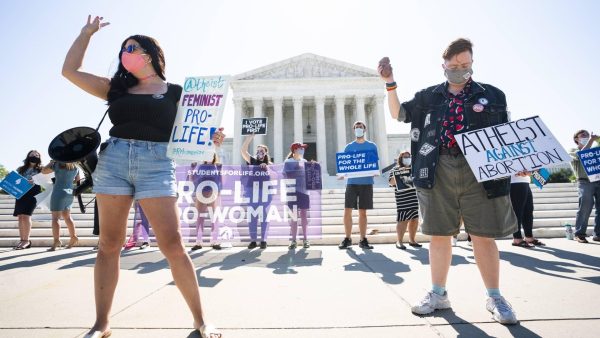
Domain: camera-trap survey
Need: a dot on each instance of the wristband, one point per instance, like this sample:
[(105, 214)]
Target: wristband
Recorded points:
[(391, 84)]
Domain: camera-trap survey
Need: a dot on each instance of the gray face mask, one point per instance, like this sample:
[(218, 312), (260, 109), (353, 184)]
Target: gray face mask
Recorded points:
[(458, 76)]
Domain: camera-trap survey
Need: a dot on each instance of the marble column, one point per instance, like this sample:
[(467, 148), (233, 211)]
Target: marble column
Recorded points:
[(238, 104), (257, 103), (340, 123), (278, 129), (382, 141), (360, 110), (298, 137), (321, 134)]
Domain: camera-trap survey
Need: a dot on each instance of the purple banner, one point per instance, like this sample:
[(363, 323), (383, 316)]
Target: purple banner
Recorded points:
[(236, 203)]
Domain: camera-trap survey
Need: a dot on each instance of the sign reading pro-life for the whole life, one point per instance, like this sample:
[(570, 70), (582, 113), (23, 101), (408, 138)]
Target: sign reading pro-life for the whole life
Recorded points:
[(199, 115), (505, 149), (590, 159)]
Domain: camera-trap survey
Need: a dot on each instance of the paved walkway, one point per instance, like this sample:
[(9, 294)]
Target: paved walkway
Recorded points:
[(319, 292)]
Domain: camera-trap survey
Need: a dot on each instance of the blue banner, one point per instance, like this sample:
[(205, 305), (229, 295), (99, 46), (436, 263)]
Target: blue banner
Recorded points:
[(590, 159), (15, 184)]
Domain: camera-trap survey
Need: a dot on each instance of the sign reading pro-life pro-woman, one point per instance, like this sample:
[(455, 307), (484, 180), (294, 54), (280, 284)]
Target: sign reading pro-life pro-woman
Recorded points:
[(199, 116), (505, 149)]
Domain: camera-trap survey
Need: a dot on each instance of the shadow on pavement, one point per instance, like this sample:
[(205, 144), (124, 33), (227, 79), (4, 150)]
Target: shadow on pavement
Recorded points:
[(50, 258), (422, 255), (375, 262), (558, 269), (465, 329)]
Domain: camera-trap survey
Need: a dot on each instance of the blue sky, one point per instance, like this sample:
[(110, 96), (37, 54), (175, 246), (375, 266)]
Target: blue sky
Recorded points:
[(543, 54)]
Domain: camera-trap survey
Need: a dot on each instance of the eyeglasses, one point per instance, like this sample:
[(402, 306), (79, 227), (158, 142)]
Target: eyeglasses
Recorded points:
[(131, 48)]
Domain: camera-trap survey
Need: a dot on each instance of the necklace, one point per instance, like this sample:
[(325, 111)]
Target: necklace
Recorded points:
[(147, 77)]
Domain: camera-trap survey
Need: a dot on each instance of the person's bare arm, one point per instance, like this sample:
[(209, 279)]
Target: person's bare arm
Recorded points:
[(95, 85), (385, 71), (244, 149)]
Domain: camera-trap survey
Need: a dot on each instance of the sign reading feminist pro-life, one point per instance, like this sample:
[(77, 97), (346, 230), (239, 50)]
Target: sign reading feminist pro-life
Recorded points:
[(256, 126), (505, 149), (357, 164), (590, 159), (199, 115)]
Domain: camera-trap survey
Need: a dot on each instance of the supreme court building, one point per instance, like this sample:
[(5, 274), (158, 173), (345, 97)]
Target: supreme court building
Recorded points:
[(313, 100)]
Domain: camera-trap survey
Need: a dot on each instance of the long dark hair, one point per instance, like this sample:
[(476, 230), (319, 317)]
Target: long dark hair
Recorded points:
[(122, 80), (21, 170)]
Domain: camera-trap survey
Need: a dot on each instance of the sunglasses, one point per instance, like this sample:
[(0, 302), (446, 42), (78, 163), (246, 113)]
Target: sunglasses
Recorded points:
[(132, 48)]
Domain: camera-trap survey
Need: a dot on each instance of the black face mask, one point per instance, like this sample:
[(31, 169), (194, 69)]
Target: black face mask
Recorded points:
[(34, 159)]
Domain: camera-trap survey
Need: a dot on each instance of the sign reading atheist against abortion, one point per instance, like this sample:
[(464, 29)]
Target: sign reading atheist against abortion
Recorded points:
[(505, 149), (199, 114)]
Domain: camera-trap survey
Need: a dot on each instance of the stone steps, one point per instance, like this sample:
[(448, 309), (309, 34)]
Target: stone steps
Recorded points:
[(555, 205)]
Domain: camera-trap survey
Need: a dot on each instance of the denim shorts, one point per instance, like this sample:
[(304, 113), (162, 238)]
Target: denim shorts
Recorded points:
[(136, 168)]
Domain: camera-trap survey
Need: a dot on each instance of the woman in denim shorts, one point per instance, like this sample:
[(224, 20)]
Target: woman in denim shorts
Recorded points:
[(134, 165)]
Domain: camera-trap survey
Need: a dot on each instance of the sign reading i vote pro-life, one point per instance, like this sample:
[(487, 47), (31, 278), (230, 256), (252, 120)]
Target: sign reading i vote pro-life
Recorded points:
[(256, 126), (357, 164), (199, 115), (15, 184), (505, 149), (590, 159)]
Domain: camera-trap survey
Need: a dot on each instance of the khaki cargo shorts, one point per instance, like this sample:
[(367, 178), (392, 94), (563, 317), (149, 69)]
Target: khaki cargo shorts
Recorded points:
[(457, 195)]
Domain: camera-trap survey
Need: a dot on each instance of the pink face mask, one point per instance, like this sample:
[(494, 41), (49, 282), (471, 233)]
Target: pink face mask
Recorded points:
[(133, 62)]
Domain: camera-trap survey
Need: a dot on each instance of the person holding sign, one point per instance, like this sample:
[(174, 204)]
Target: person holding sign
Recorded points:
[(294, 169), (522, 201), (24, 206), (261, 161), (407, 204), (359, 191), (446, 187), (134, 165), (65, 175), (589, 192)]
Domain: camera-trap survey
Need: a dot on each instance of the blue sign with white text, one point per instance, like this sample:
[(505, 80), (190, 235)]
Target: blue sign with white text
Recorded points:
[(590, 159), (357, 164), (15, 184), (540, 177)]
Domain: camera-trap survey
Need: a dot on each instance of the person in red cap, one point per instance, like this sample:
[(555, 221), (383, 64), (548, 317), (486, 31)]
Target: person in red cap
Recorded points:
[(294, 169)]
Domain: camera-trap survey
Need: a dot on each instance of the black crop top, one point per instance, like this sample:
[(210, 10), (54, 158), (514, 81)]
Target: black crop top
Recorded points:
[(145, 117)]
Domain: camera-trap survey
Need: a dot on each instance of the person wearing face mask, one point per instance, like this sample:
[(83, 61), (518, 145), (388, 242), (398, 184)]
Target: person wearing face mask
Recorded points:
[(294, 169), (446, 187), (589, 192), (407, 204), (261, 160), (24, 206), (134, 165), (359, 191)]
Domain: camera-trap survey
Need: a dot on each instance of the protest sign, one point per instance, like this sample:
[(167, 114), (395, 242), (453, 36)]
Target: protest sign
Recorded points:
[(256, 126), (540, 177), (313, 176), (590, 160), (505, 149), (199, 115), (238, 199), (402, 179), (357, 164), (15, 184)]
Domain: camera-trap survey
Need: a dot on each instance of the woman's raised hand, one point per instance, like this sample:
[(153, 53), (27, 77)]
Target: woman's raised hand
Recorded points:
[(93, 26)]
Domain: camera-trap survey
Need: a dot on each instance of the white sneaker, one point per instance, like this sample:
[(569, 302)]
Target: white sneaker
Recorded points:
[(501, 310), (430, 303), (454, 241), (292, 245)]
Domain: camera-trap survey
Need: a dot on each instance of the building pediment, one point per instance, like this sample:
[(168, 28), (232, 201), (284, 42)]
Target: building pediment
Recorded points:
[(307, 66)]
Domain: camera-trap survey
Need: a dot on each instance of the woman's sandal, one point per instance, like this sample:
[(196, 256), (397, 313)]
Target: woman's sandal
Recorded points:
[(536, 242), (523, 244), (98, 334), (208, 331)]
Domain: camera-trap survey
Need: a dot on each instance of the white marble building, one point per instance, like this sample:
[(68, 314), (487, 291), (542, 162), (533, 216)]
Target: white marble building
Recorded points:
[(314, 100)]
